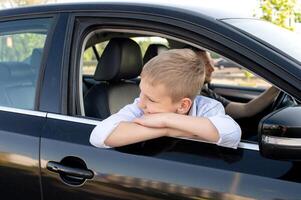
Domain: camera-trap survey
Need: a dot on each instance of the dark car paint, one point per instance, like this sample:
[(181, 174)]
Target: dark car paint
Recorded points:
[(166, 168), (19, 154), (53, 78), (182, 169)]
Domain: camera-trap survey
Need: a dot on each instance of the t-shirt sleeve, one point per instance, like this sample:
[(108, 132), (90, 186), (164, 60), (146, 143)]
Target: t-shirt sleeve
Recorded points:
[(102, 130), (229, 131)]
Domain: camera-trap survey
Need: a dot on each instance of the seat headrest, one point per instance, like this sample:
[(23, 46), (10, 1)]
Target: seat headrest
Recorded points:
[(16, 69), (153, 50), (20, 70), (121, 59), (4, 73), (36, 57)]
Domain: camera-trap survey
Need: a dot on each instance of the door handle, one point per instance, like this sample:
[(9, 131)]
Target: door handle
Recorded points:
[(70, 171)]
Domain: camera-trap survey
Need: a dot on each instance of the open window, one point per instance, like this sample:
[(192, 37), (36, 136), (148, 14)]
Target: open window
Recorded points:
[(107, 83)]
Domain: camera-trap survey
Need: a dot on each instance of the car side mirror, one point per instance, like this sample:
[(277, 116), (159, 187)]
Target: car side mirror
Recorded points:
[(280, 134)]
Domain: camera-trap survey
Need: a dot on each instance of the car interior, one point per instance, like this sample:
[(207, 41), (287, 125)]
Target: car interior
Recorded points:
[(120, 62), (114, 80)]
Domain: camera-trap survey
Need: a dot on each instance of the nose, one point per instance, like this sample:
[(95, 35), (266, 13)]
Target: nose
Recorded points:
[(211, 66)]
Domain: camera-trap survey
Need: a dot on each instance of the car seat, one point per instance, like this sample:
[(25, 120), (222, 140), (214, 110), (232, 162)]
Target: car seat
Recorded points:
[(120, 62)]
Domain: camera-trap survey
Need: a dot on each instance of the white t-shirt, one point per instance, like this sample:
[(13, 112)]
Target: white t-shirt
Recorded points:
[(229, 131)]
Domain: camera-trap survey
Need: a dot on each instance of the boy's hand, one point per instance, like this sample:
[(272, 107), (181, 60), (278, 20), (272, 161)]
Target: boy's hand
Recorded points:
[(157, 120)]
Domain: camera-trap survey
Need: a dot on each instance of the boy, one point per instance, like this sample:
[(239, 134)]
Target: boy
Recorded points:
[(168, 105)]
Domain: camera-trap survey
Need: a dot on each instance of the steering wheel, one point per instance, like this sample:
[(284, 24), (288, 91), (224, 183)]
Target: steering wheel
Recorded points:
[(279, 100)]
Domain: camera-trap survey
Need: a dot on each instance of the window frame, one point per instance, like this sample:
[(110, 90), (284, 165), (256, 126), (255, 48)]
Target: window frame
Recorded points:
[(52, 21), (163, 29)]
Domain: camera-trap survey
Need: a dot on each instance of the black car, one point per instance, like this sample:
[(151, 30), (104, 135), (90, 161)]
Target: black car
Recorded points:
[(50, 104)]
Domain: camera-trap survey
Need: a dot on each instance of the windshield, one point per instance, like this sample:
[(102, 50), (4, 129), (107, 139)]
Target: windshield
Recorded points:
[(283, 39)]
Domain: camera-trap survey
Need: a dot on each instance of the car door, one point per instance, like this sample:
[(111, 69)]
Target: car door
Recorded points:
[(164, 168), (22, 41)]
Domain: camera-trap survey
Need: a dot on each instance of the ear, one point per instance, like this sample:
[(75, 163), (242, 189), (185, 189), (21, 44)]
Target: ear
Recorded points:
[(184, 106)]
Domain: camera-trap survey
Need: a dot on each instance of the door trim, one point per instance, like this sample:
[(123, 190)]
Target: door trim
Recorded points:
[(23, 111)]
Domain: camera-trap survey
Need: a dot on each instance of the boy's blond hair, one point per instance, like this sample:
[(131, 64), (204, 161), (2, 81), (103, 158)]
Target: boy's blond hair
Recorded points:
[(181, 71)]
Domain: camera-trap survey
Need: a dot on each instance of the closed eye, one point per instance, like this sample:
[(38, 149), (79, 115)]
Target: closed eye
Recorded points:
[(151, 100)]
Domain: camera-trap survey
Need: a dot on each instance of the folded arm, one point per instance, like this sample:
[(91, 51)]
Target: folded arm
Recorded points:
[(178, 125), (128, 133), (219, 128)]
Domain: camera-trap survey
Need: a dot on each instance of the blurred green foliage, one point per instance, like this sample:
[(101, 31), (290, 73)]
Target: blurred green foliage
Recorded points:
[(279, 12), (248, 74), (18, 47), (20, 3), (298, 17), (143, 43)]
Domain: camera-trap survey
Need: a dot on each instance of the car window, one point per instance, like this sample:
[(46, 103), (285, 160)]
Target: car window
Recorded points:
[(115, 82), (145, 42), (229, 73), (101, 96), (90, 59), (21, 47)]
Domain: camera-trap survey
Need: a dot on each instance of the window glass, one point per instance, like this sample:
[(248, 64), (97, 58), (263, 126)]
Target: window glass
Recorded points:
[(227, 72), (90, 59), (21, 47), (144, 42)]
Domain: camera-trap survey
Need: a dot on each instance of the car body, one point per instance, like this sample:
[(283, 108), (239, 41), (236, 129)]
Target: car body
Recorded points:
[(44, 135)]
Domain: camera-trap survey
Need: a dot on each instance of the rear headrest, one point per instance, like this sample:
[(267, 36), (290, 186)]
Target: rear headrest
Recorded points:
[(4, 73), (121, 59), (20, 70), (36, 57), (16, 69), (153, 50)]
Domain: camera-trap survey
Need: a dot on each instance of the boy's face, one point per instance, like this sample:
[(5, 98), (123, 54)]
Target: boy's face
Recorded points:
[(154, 99)]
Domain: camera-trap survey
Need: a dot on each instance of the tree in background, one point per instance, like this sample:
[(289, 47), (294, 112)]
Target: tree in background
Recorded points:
[(18, 3), (12, 45), (298, 17), (280, 12), (14, 48), (298, 12)]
